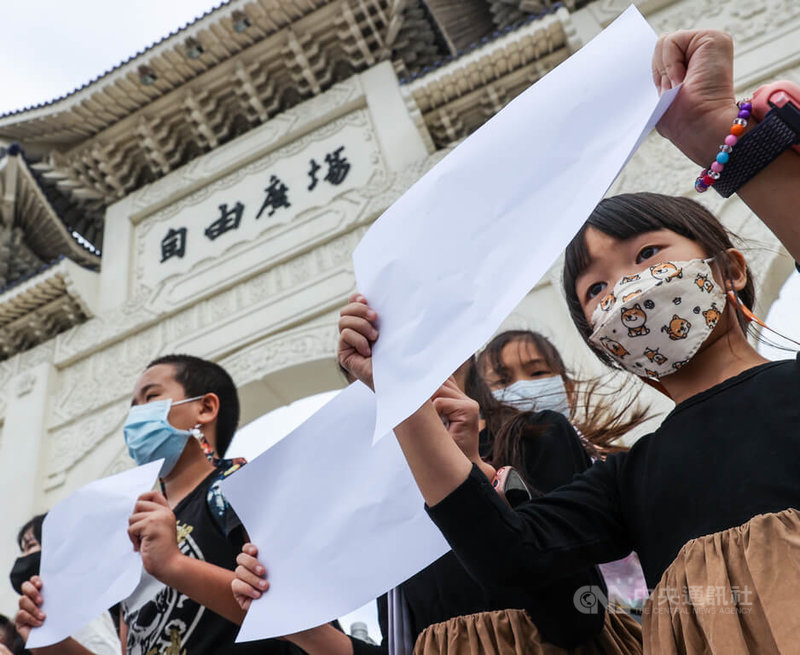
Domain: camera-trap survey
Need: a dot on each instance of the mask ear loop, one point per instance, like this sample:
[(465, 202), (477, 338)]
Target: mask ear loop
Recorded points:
[(752, 318)]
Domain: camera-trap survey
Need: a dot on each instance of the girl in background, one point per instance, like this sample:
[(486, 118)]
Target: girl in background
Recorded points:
[(527, 391)]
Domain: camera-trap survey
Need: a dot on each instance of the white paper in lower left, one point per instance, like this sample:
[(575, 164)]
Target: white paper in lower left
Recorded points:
[(88, 561)]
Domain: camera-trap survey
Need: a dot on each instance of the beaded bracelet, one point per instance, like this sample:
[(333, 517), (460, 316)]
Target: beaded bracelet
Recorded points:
[(711, 174)]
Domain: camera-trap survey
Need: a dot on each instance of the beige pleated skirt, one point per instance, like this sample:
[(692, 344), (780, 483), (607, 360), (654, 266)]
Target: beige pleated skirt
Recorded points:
[(511, 632), (732, 592)]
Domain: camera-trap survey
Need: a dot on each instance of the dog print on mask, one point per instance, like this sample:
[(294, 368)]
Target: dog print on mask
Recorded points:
[(704, 283), (614, 347), (655, 356), (630, 278), (630, 296), (607, 302), (712, 316), (666, 271), (679, 365), (678, 328), (634, 319), (650, 374)]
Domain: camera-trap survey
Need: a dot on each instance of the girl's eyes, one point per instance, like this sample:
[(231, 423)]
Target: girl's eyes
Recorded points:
[(646, 253), (595, 290)]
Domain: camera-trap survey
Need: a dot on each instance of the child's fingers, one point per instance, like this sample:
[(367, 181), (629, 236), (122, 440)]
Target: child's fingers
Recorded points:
[(28, 606), (250, 579), (250, 563), (673, 56), (250, 549), (25, 618), (357, 297), (360, 325), (450, 390), (30, 589), (361, 310), (244, 590), (449, 406), (143, 505), (356, 341), (134, 534)]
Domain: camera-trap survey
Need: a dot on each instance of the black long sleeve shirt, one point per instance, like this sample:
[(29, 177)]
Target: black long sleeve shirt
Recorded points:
[(719, 459), (445, 589)]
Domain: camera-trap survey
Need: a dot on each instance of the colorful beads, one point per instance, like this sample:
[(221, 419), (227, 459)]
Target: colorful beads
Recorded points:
[(711, 174)]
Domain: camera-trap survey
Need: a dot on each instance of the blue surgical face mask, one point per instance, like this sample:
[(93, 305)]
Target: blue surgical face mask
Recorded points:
[(536, 395), (150, 436)]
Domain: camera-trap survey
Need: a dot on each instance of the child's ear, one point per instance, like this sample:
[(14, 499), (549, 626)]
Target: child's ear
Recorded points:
[(737, 270), (209, 409)]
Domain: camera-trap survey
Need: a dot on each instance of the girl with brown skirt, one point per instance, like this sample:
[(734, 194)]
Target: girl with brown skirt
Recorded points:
[(708, 500)]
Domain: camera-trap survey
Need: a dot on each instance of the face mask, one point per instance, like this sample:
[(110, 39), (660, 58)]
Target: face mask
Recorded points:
[(653, 322), (536, 395), (24, 569), (149, 435)]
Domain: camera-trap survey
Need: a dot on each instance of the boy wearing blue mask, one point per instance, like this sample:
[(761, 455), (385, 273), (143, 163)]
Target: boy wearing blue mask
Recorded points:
[(184, 410)]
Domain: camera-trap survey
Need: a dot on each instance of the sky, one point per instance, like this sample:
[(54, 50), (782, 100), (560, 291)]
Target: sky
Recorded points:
[(50, 47)]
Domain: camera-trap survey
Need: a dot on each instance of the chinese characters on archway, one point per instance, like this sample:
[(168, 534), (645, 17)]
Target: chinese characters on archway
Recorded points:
[(277, 197)]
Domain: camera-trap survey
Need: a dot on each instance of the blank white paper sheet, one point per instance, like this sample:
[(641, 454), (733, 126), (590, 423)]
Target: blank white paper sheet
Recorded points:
[(447, 262), (337, 521), (88, 561)]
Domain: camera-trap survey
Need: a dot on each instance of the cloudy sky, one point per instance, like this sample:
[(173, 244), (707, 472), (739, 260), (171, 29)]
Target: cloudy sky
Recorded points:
[(50, 47)]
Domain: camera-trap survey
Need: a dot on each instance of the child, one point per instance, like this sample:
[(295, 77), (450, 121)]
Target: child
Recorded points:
[(708, 499), (524, 369), (185, 410)]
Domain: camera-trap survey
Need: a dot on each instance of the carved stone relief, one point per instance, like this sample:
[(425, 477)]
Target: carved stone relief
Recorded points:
[(346, 94), (311, 341)]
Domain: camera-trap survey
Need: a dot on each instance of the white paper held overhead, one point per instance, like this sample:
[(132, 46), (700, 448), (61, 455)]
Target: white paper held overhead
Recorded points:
[(447, 262), (337, 521), (88, 561)]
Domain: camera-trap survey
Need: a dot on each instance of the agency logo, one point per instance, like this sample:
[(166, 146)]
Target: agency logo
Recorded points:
[(590, 599)]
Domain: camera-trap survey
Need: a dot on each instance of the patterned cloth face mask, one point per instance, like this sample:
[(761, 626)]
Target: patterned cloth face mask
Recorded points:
[(150, 436), (536, 395), (653, 322)]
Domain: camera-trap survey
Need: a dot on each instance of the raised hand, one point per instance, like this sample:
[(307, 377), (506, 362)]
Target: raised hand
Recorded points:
[(462, 416), (701, 115), (357, 334)]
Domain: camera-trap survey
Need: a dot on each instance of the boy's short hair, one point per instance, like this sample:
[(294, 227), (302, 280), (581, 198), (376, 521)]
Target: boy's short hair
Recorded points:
[(197, 377)]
